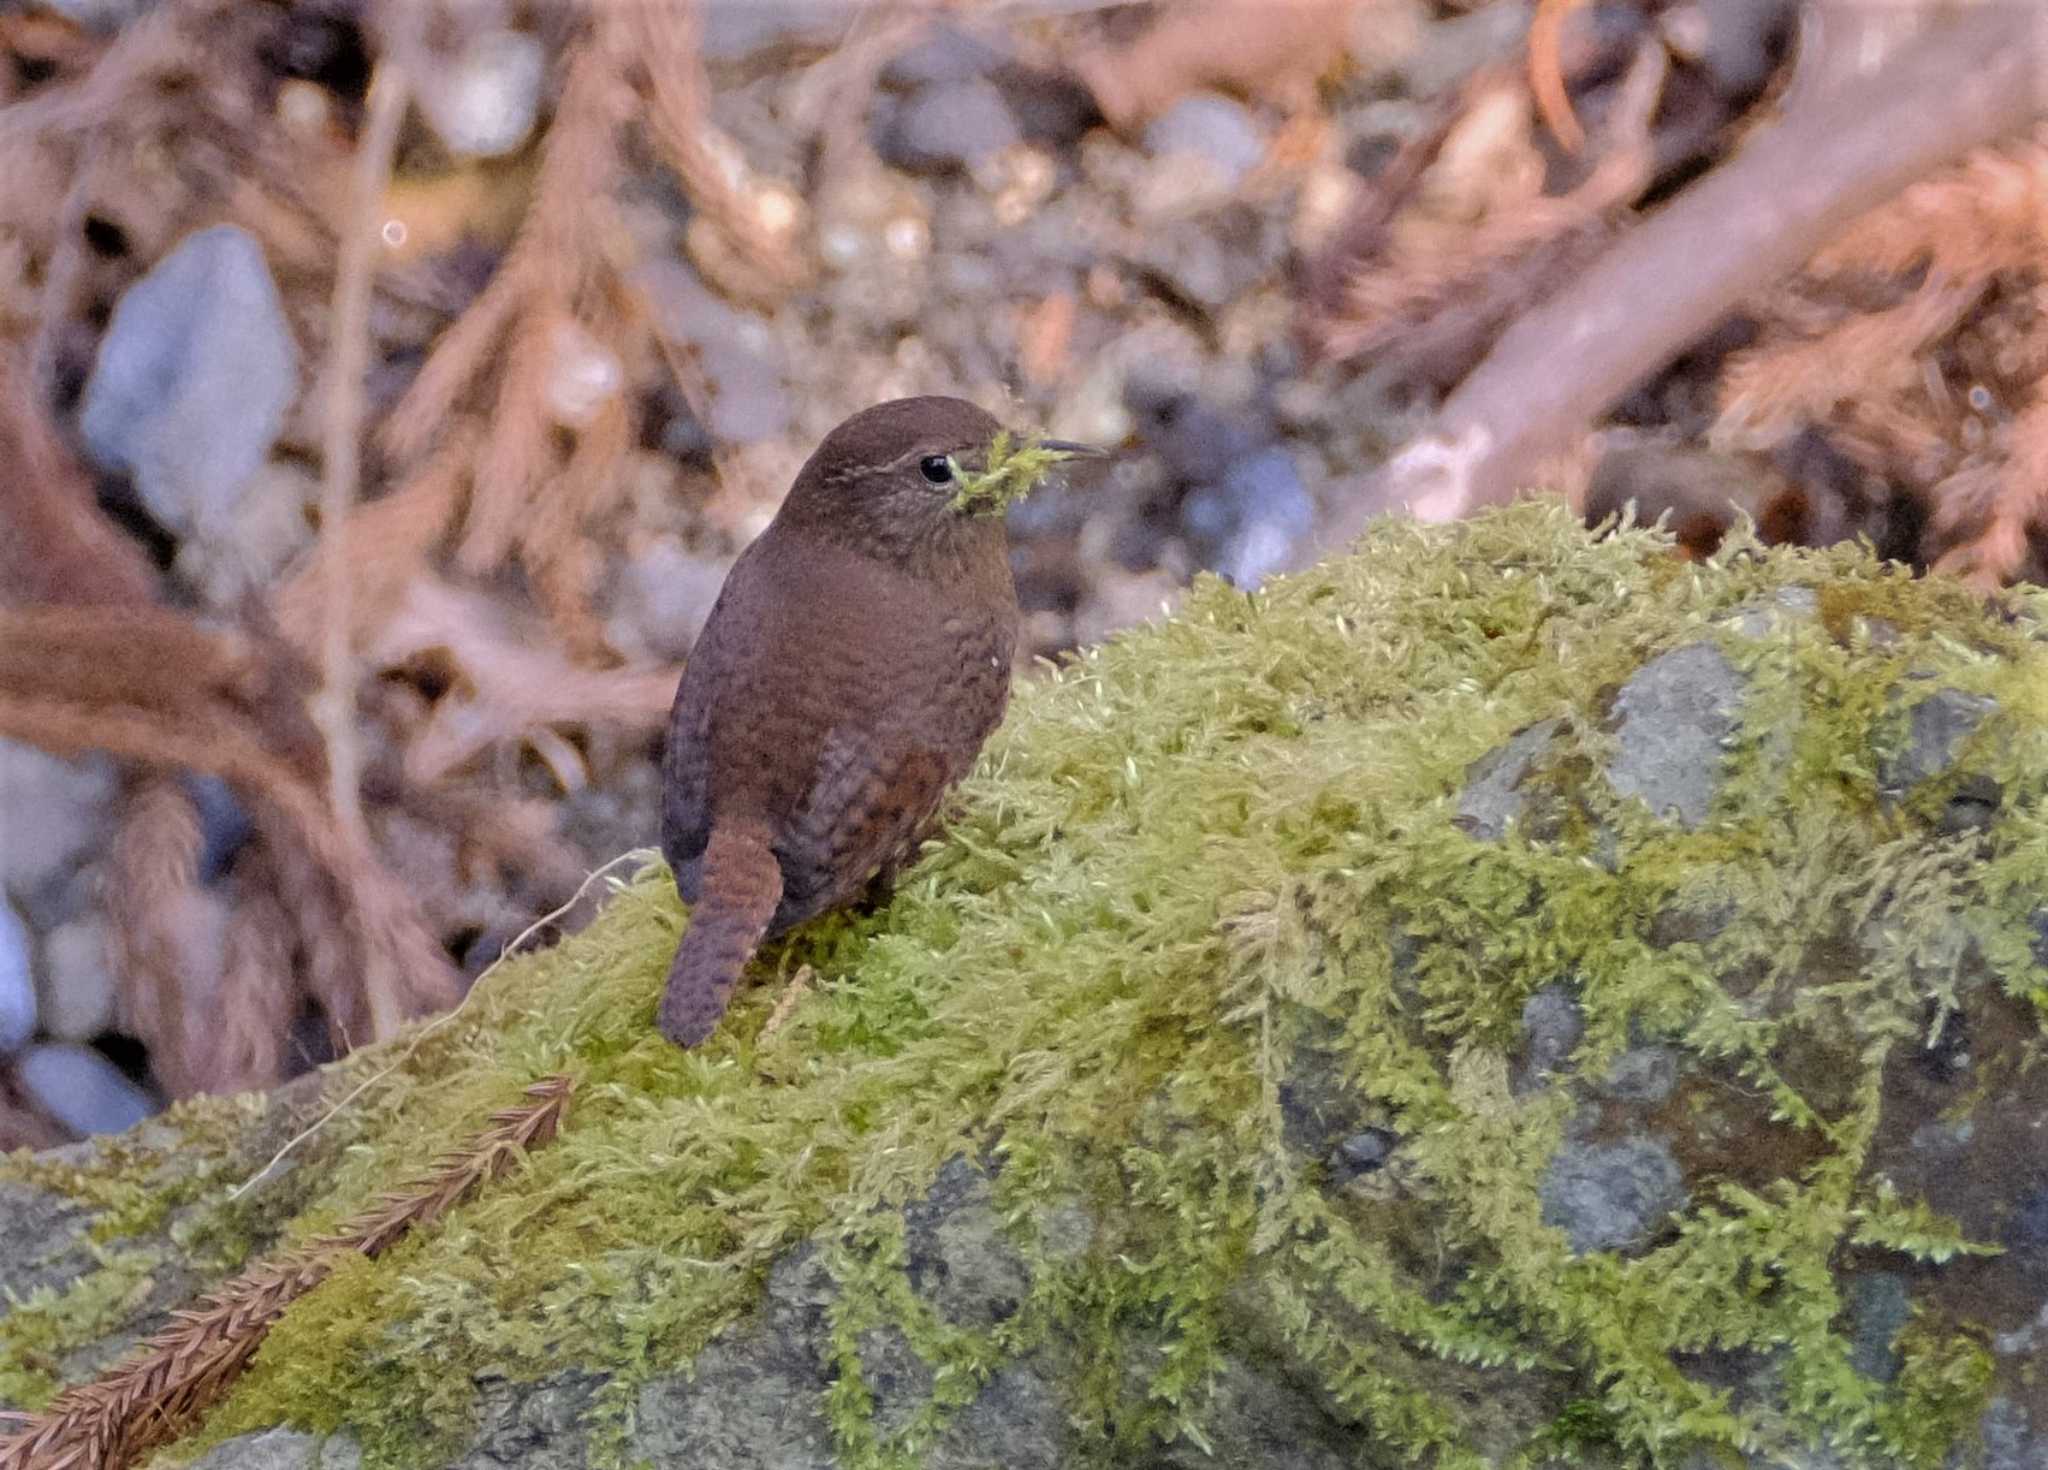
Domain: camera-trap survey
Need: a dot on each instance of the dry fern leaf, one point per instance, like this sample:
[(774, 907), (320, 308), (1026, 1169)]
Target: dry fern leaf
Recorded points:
[(163, 1387)]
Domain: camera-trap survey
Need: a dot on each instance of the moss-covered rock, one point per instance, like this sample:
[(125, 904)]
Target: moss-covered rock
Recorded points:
[(1498, 999)]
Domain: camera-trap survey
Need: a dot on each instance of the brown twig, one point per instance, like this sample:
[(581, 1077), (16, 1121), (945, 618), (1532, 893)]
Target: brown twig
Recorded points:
[(174, 1377), (341, 468), (1746, 225), (1546, 73)]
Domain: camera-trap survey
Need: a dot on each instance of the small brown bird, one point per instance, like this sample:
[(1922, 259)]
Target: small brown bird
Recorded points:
[(856, 659)]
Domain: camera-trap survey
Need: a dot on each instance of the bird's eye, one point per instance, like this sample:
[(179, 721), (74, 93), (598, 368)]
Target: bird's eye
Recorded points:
[(936, 468)]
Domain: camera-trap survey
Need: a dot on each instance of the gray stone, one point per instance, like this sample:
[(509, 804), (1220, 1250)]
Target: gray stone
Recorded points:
[(949, 127), (1552, 1027), (1786, 605), (1362, 1153), (281, 1449), (1674, 718), (732, 32), (17, 981), (1642, 1074), (1492, 798), (666, 593), (1214, 129), (1936, 728), (194, 377), (533, 1426), (960, 1260), (754, 1400), (1016, 1422), (77, 989), (1879, 1304), (899, 1380), (483, 104), (52, 812), (945, 53), (1609, 1196), (81, 1089), (48, 1244)]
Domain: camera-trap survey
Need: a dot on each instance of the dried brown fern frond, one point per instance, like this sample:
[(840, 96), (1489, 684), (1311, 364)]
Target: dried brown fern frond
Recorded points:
[(158, 929), (744, 235), (510, 687), (1432, 315), (1988, 214), (1768, 393), (1987, 516), (166, 1384), (55, 546)]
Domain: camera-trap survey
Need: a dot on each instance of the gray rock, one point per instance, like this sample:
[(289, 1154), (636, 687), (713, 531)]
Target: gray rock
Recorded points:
[(1935, 730), (666, 593), (1016, 1422), (1220, 132), (732, 32), (77, 982), (960, 1259), (81, 1089), (1609, 1196), (1362, 1153), (1786, 605), (1263, 511), (1492, 797), (52, 812), (1879, 1304), (900, 1381), (281, 1449), (1552, 1027), (754, 1400), (194, 377), (945, 53), (949, 127), (483, 105), (533, 1426), (1642, 1074), (48, 1237), (1674, 720), (17, 981)]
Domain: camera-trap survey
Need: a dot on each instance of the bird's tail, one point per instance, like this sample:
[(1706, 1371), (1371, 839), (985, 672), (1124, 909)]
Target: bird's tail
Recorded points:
[(740, 887)]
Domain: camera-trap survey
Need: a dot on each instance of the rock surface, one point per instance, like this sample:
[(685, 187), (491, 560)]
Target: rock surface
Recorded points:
[(193, 380), (1235, 1086)]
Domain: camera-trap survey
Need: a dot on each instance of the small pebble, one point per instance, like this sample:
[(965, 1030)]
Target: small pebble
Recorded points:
[(1212, 128), (949, 127), (81, 1089), (945, 53), (485, 103), (17, 981), (666, 595), (77, 990), (67, 804), (194, 377)]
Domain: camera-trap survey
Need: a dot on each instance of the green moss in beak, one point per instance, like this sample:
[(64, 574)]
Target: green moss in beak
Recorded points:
[(1012, 472)]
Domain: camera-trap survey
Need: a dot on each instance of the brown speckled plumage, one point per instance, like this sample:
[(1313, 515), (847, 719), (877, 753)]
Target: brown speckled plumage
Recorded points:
[(857, 657)]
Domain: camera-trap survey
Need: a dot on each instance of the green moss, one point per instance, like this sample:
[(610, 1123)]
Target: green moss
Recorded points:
[(1011, 472), (1193, 864)]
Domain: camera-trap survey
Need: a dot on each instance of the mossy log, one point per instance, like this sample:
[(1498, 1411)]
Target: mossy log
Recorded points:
[(1501, 998)]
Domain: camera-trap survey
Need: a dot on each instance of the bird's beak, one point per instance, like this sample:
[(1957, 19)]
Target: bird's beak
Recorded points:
[(1068, 446)]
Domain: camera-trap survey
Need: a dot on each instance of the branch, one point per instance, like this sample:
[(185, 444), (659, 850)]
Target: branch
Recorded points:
[(1745, 226)]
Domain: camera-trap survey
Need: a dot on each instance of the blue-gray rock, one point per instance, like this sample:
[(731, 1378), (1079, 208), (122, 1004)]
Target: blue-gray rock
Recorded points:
[(1212, 128), (1492, 798), (66, 805), (281, 1449), (193, 380), (81, 1089), (1878, 1304), (945, 53), (1642, 1074), (1674, 720), (735, 31), (1552, 1027), (224, 823), (1608, 1196), (75, 983), (949, 127), (483, 104), (1935, 731), (1248, 523), (1362, 1153), (17, 981)]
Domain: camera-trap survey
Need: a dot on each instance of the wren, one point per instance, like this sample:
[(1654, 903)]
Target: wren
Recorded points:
[(857, 657)]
